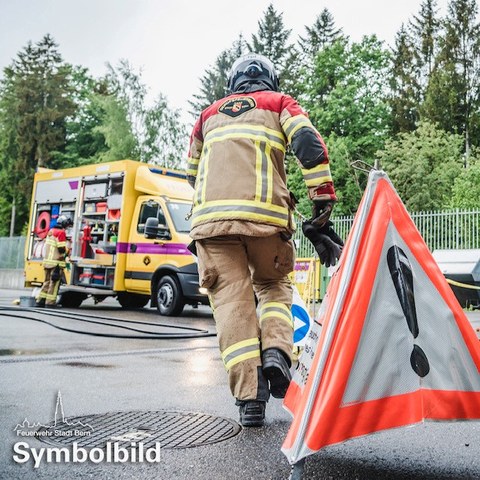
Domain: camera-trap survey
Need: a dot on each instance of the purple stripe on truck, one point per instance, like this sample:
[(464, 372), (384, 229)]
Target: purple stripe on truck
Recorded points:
[(154, 249)]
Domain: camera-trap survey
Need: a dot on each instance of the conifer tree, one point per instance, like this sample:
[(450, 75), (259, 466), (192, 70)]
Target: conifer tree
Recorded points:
[(35, 103), (452, 98), (271, 39), (405, 84), (214, 80), (322, 33), (424, 30)]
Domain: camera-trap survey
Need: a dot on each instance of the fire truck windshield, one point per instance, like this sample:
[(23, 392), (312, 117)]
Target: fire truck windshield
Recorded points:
[(179, 213)]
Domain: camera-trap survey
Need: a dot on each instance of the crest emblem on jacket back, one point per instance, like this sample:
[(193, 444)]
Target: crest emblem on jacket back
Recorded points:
[(234, 107)]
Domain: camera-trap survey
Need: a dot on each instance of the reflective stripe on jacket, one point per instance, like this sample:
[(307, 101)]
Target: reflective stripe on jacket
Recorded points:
[(55, 248), (236, 159)]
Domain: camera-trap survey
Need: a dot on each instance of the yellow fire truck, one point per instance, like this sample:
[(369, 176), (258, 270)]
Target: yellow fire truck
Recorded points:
[(129, 236)]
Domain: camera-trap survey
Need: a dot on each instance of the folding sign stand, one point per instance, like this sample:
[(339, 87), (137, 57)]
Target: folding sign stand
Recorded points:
[(395, 348)]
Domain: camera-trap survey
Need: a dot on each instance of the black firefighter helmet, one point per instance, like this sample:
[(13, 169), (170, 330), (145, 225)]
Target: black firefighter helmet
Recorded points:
[(252, 72), (64, 222)]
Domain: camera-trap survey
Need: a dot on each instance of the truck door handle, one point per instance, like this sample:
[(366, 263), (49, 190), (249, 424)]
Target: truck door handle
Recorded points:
[(133, 247)]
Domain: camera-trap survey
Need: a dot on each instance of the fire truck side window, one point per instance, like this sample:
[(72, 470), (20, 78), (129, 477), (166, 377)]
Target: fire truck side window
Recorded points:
[(147, 210)]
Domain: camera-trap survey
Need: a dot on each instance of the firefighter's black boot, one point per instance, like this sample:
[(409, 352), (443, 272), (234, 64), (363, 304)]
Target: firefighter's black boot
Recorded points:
[(252, 413), (276, 368), (40, 303)]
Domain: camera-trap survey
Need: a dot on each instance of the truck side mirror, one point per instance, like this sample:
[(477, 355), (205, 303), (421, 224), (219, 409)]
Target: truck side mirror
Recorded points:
[(151, 227), (153, 230)]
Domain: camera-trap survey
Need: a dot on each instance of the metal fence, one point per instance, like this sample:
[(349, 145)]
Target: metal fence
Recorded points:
[(441, 230), (12, 252)]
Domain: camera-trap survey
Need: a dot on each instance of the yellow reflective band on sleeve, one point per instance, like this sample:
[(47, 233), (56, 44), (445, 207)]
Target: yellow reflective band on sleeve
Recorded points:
[(240, 209), (293, 124), (256, 133), (276, 310), (192, 166), (61, 244), (241, 351), (317, 175)]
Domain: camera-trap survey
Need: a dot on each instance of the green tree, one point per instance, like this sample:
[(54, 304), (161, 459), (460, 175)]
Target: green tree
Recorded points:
[(8, 155), (321, 34), (85, 142), (345, 95), (348, 94), (422, 166), (405, 96), (164, 136), (466, 186), (271, 39), (453, 94), (301, 59), (134, 129), (117, 130), (424, 30), (36, 102), (214, 81)]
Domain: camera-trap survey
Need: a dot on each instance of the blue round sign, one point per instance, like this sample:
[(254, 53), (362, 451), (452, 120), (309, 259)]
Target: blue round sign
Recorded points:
[(301, 314)]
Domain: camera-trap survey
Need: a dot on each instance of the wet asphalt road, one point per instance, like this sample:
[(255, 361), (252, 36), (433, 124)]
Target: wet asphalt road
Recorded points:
[(99, 375)]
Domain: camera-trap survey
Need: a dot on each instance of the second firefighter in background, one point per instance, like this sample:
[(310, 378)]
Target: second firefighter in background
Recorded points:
[(242, 225), (54, 262)]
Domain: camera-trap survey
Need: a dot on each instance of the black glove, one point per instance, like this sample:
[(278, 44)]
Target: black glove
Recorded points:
[(325, 240), (321, 211)]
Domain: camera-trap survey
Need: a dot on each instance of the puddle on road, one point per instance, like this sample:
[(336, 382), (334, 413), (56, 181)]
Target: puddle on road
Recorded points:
[(18, 352), (85, 365)]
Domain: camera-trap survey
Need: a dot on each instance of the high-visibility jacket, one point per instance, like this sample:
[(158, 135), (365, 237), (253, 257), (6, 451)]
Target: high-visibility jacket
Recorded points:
[(236, 164), (55, 248)]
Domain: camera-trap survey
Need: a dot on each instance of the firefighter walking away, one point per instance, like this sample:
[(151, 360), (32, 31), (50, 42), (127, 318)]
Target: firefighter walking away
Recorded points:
[(242, 225), (56, 251)]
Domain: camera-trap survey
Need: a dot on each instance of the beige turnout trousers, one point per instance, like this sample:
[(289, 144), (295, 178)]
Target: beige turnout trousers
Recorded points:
[(234, 268), (50, 287)]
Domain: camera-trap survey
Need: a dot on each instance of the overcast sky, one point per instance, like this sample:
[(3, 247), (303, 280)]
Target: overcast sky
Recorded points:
[(173, 42)]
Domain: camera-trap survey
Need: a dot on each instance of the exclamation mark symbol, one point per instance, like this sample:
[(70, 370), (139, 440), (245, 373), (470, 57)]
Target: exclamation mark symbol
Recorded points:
[(401, 272)]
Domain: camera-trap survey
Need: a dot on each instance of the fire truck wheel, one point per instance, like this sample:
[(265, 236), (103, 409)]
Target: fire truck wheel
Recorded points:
[(132, 300), (170, 301)]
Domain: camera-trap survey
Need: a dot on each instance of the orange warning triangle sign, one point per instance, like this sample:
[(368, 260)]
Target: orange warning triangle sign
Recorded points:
[(395, 348)]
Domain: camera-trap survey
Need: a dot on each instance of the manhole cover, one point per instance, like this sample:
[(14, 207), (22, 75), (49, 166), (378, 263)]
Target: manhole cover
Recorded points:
[(170, 429)]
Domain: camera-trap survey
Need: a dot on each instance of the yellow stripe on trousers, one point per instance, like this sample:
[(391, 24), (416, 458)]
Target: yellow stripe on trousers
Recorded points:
[(241, 351)]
